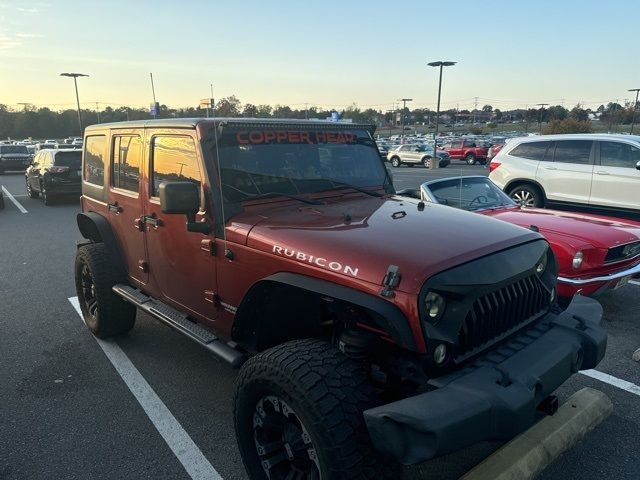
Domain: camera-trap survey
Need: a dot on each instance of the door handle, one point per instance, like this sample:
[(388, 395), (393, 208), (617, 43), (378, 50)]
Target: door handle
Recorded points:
[(601, 172), (113, 207), (551, 168)]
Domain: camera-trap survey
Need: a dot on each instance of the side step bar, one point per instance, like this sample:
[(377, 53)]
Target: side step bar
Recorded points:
[(181, 323)]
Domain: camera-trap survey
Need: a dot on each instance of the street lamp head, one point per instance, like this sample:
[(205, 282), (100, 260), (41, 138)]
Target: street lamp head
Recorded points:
[(441, 64), (405, 99), (75, 75)]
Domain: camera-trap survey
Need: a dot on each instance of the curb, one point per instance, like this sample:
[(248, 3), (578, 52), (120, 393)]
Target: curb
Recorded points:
[(529, 453)]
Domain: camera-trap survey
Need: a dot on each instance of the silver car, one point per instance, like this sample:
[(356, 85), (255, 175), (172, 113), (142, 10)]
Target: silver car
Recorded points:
[(416, 154)]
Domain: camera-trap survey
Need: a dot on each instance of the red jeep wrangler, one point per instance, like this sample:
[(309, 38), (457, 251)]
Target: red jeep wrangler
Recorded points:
[(281, 248), (468, 150)]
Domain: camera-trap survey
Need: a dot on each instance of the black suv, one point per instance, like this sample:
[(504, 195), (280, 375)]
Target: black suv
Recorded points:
[(54, 173), (14, 157)]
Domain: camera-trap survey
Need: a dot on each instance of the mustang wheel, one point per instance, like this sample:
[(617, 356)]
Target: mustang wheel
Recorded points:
[(298, 414), (104, 312), (527, 196)]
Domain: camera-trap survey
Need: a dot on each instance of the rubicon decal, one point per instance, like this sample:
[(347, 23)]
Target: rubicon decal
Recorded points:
[(313, 260)]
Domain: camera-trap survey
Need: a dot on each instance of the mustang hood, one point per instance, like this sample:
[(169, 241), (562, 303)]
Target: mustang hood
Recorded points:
[(601, 232), (361, 237)]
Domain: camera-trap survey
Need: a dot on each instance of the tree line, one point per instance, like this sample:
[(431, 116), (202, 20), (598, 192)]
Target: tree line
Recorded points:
[(40, 123)]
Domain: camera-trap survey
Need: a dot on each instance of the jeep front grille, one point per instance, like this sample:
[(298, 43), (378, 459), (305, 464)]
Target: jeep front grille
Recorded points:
[(496, 315)]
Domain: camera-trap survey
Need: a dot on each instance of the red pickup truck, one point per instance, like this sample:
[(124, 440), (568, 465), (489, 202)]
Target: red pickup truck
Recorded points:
[(468, 150)]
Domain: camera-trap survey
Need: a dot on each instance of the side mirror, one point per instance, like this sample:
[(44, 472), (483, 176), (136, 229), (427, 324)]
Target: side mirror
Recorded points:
[(638, 166), (183, 198)]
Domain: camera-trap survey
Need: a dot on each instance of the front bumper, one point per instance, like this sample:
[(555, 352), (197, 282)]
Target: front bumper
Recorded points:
[(497, 396), (629, 272)]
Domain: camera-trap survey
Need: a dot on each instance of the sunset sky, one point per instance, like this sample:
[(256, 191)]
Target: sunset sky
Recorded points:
[(329, 53)]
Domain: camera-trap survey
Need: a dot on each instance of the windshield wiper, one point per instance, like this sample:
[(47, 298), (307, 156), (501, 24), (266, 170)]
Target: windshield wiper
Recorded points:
[(279, 194), (341, 185)]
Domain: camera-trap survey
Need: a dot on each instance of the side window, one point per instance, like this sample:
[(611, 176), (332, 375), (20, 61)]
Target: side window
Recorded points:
[(125, 167), (618, 154), (573, 151), (94, 153), (531, 150), (174, 159)]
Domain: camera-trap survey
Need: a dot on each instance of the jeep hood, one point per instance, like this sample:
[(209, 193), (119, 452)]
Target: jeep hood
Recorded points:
[(360, 237)]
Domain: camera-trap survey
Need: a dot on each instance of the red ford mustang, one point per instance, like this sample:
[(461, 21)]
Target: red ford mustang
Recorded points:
[(594, 253)]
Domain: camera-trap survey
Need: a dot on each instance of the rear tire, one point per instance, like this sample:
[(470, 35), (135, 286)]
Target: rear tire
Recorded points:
[(104, 312), (395, 162), (470, 159), (527, 195), (298, 410), (31, 192), (46, 196)]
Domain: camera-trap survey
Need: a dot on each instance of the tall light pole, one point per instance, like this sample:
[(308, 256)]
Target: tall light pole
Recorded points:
[(75, 82), (440, 64), (635, 106), (541, 105), (404, 107)]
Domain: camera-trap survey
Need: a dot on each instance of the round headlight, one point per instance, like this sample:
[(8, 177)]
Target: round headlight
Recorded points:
[(577, 260), (440, 353), (542, 265), (434, 306)]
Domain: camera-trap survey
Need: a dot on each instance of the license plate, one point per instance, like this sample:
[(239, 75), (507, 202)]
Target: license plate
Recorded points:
[(623, 281)]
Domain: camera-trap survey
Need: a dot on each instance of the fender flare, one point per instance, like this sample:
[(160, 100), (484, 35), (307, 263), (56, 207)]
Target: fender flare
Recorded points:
[(516, 181), (386, 316), (95, 228)]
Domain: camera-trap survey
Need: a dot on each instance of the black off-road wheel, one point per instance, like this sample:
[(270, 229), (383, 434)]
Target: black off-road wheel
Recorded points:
[(298, 414), (104, 312), (395, 162), (31, 192)]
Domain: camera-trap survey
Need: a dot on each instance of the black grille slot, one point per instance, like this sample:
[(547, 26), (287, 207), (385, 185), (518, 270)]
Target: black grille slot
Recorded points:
[(501, 312), (615, 254)]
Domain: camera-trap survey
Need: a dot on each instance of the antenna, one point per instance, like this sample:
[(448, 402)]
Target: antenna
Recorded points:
[(153, 91), (227, 252)]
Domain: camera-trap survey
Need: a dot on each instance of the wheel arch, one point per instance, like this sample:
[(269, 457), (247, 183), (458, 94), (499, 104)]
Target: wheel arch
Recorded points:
[(521, 181), (95, 228), (290, 297)]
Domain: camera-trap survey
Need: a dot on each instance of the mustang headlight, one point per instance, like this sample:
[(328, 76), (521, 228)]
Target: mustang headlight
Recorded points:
[(577, 260), (434, 305)]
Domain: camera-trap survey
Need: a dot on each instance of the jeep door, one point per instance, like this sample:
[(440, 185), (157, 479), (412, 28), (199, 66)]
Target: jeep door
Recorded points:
[(567, 177), (616, 180), (125, 204), (181, 263)]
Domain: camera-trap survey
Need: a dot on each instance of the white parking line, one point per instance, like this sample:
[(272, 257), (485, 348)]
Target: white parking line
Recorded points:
[(178, 440), (15, 202), (611, 380), (634, 282)]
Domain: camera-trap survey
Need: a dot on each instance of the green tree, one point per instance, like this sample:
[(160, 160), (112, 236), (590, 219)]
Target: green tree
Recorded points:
[(487, 109), (228, 107), (569, 125)]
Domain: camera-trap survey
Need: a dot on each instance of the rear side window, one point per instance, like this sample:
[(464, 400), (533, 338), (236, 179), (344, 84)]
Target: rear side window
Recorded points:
[(127, 154), (68, 159), (617, 154), (94, 153), (573, 151), (532, 151), (174, 160)]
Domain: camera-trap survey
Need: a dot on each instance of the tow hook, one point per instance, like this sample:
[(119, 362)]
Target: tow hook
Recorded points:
[(549, 405)]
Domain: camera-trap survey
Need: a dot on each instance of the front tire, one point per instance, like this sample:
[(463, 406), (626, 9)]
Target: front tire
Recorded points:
[(426, 161), (470, 159), (104, 312), (298, 414), (527, 195), (395, 162)]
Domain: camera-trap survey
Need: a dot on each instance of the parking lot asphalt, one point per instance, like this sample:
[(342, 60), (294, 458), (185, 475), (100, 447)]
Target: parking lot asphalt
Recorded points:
[(66, 413)]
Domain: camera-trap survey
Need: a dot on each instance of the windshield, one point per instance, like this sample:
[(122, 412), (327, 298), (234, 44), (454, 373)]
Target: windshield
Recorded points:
[(469, 194), (68, 159), (13, 149), (267, 162)]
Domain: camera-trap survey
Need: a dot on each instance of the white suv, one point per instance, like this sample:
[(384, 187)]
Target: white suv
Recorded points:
[(601, 172)]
